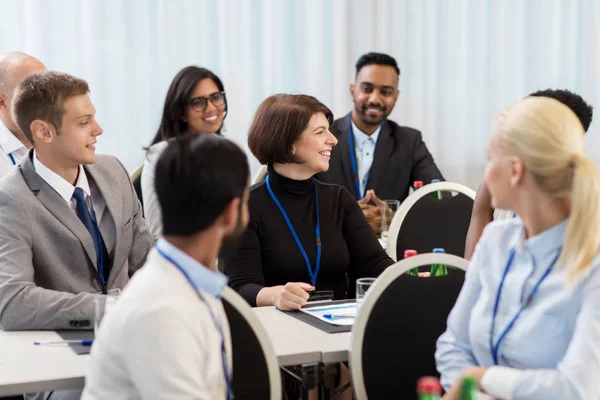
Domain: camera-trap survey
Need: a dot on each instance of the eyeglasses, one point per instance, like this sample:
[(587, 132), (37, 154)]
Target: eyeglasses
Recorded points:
[(200, 103)]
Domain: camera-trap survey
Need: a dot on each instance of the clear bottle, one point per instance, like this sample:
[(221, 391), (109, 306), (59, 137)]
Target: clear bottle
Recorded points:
[(429, 388)]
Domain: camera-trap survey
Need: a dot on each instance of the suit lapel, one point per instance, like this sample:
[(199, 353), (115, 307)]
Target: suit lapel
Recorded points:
[(57, 206), (344, 146), (383, 152)]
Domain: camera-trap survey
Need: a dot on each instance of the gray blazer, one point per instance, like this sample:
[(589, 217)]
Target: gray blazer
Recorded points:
[(48, 272)]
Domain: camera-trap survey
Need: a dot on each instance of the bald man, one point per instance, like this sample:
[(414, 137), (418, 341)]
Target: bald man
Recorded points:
[(14, 67)]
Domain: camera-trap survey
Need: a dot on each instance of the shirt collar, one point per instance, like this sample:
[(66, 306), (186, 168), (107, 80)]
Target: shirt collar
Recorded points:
[(64, 188), (543, 243), (8, 141), (202, 278), (360, 137)]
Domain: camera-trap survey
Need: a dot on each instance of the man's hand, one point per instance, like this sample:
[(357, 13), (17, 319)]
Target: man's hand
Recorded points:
[(372, 212)]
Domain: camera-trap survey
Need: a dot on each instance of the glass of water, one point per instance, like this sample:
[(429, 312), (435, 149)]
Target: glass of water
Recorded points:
[(103, 305), (388, 210), (362, 285)]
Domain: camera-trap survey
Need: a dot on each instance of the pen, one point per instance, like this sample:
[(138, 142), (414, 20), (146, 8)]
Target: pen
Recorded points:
[(84, 342), (334, 316)]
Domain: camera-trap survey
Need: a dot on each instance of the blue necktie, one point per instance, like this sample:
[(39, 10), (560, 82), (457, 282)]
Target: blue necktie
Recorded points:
[(92, 227)]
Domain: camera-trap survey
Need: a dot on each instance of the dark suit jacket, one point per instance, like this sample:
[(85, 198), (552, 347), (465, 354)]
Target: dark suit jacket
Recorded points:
[(401, 158)]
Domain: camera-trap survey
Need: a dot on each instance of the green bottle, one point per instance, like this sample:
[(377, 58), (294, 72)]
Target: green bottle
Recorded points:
[(441, 269), (438, 194), (429, 388), (469, 389), (411, 253)]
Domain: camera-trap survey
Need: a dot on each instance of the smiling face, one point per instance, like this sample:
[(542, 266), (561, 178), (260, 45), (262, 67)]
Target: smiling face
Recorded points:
[(374, 95), (75, 142), (211, 118), (312, 150)]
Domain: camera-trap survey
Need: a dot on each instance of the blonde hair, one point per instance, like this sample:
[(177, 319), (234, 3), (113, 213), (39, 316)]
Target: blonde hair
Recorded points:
[(549, 138)]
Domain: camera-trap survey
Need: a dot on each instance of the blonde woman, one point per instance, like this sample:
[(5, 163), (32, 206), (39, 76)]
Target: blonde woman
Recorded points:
[(527, 322)]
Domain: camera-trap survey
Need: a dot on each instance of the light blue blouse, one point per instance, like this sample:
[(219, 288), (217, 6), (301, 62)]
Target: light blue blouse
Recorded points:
[(553, 348)]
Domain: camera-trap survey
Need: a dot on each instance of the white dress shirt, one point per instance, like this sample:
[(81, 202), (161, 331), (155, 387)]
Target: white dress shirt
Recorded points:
[(93, 197), (11, 149), (160, 341), (552, 351), (364, 147), (152, 213)]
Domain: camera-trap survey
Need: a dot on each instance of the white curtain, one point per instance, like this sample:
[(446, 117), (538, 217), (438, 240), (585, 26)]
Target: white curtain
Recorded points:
[(462, 61)]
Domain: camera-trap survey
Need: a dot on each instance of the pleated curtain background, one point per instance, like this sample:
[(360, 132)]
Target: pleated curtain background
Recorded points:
[(462, 61)]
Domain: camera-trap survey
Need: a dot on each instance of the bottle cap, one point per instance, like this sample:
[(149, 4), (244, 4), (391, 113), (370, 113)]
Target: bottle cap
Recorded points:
[(439, 250), (435, 180), (410, 253), (429, 385), (418, 184)]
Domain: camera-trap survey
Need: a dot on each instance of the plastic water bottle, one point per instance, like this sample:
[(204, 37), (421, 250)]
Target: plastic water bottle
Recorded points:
[(417, 184), (439, 269), (411, 253), (438, 194), (429, 388), (469, 389)]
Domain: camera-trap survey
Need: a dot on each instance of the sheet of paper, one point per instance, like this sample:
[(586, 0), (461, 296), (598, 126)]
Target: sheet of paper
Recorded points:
[(340, 314)]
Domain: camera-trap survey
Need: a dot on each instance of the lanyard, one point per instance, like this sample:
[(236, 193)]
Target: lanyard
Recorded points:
[(496, 348), (353, 162), (311, 273), (12, 159), (214, 318)]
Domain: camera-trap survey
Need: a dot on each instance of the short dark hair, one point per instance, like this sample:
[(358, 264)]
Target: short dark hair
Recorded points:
[(182, 87), (575, 102), (376, 59), (279, 122), (196, 177), (42, 96)]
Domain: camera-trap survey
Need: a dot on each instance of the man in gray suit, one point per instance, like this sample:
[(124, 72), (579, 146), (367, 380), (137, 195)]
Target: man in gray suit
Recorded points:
[(71, 226)]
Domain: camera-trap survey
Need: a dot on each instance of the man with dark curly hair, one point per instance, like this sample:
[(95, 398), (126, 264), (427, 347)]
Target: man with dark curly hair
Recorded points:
[(483, 212)]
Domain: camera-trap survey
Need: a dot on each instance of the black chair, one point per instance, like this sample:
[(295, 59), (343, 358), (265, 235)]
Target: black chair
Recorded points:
[(255, 367), (136, 180), (424, 222), (396, 329)]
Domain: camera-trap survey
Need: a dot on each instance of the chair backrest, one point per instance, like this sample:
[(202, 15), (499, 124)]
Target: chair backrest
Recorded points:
[(136, 180), (424, 222), (260, 174), (255, 367), (400, 319)]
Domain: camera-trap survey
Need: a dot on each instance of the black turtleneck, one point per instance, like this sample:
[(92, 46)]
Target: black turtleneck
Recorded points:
[(268, 254)]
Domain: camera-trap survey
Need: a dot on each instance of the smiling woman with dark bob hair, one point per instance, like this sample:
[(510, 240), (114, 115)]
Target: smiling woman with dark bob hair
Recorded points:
[(304, 235)]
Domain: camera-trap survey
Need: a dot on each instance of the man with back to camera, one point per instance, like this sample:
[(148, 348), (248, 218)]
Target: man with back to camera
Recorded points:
[(376, 158), (14, 67), (172, 306)]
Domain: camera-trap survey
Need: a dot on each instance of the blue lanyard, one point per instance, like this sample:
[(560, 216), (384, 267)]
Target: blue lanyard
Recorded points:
[(12, 159), (214, 318), (311, 273), (353, 162), (496, 348)]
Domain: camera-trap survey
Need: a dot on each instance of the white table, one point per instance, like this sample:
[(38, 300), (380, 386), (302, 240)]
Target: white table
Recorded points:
[(26, 368), (297, 342)]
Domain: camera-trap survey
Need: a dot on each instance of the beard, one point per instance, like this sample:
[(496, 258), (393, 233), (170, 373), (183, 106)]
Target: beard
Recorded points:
[(373, 120), (231, 242)]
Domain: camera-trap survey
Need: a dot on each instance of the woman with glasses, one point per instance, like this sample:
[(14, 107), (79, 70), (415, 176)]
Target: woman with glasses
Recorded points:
[(195, 104)]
